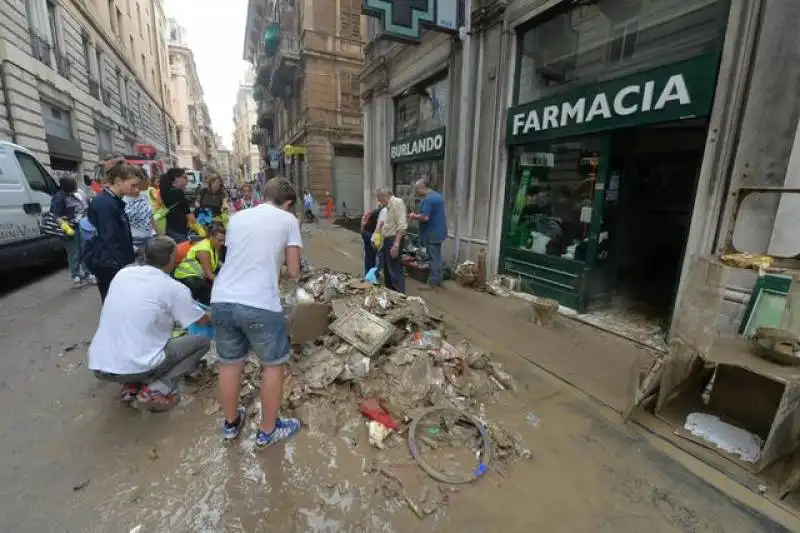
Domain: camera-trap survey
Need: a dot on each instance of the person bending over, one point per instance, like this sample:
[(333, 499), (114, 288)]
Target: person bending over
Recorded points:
[(199, 268), (133, 344)]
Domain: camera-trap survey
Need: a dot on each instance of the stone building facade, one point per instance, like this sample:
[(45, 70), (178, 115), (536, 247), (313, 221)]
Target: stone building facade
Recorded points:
[(307, 56), (247, 160), (80, 82), (196, 147)]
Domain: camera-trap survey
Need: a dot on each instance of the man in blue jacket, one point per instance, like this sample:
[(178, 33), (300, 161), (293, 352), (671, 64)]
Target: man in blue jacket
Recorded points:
[(433, 229)]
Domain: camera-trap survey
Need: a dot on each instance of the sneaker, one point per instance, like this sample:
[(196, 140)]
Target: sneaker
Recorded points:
[(91, 280), (156, 402), (284, 429), (129, 392), (77, 283), (231, 431)]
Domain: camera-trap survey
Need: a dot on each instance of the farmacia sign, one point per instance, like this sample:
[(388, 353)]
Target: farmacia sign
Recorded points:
[(679, 91), (429, 145)]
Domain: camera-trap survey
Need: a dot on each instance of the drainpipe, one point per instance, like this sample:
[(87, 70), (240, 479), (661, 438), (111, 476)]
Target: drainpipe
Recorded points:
[(463, 115), (475, 139), (161, 81), (9, 118)]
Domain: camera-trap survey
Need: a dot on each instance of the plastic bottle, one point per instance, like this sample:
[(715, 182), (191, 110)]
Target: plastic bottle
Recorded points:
[(66, 228)]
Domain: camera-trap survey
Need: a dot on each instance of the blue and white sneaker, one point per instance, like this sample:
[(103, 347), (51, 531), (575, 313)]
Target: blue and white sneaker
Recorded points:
[(231, 431), (284, 429)]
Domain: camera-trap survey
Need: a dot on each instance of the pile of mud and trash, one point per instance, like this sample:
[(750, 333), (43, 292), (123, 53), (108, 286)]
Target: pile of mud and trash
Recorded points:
[(364, 355)]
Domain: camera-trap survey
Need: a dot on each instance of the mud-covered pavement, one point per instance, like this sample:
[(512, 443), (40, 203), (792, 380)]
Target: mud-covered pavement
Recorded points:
[(75, 460)]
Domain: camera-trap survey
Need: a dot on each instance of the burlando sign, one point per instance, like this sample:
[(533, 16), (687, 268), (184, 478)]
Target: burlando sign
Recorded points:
[(428, 145), (674, 92)]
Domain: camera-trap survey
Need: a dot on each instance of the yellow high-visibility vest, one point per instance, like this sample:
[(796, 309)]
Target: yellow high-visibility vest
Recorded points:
[(190, 267)]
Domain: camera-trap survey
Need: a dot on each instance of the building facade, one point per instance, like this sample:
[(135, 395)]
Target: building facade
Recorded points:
[(81, 83), (195, 138), (602, 144), (307, 56), (247, 136), (223, 160)]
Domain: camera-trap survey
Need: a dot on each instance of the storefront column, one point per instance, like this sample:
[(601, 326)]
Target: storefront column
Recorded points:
[(785, 240), (383, 128)]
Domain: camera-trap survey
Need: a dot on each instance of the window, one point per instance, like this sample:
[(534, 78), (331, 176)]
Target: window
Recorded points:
[(583, 44), (51, 20), (144, 66), (86, 47), (553, 189), (422, 108), (350, 91), (101, 67), (139, 20), (37, 177), (112, 16), (350, 19), (105, 145)]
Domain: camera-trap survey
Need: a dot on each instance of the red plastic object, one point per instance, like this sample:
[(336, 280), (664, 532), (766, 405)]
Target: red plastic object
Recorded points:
[(372, 409)]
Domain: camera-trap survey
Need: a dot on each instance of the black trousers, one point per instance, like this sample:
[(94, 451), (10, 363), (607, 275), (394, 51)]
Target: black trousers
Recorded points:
[(200, 287), (104, 277)]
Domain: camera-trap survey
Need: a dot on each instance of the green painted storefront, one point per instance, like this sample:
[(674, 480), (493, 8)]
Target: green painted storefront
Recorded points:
[(566, 154)]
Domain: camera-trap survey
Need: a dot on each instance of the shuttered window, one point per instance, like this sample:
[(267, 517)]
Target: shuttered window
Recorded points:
[(350, 91), (350, 19)]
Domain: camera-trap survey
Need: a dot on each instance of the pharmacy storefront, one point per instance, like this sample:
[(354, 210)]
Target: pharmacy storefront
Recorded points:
[(605, 146)]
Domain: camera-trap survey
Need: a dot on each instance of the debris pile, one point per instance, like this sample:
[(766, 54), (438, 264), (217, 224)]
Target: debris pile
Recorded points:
[(385, 360)]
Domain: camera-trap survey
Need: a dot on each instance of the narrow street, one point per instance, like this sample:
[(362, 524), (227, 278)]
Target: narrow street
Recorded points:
[(77, 461)]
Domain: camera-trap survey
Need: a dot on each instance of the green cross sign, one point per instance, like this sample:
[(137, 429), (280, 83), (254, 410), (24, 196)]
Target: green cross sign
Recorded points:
[(402, 19)]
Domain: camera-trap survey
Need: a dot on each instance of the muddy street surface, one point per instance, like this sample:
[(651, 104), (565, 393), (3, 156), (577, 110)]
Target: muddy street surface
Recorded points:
[(75, 460)]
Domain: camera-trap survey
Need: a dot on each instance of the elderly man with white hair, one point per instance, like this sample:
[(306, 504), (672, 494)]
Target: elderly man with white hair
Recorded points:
[(393, 234)]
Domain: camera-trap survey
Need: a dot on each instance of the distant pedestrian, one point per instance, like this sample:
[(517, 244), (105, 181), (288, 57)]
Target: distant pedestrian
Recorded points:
[(179, 216), (70, 208), (111, 245), (393, 237), (247, 313), (329, 205), (308, 206), (247, 200), (433, 229), (133, 344)]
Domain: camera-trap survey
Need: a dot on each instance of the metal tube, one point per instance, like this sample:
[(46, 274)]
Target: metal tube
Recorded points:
[(463, 115)]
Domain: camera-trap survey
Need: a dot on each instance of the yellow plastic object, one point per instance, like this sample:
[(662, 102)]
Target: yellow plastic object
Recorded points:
[(377, 240), (66, 228), (745, 260), (200, 230)]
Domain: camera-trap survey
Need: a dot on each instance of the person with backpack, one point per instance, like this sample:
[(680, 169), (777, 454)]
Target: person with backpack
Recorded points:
[(110, 247), (69, 208)]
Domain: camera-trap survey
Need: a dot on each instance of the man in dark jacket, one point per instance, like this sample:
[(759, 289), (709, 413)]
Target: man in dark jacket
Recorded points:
[(111, 248)]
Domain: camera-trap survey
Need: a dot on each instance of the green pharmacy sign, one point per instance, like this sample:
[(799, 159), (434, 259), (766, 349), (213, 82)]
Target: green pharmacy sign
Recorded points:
[(403, 20), (673, 92)]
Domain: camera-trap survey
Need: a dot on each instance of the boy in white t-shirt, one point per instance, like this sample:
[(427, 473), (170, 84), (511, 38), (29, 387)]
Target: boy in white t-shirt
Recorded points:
[(246, 308)]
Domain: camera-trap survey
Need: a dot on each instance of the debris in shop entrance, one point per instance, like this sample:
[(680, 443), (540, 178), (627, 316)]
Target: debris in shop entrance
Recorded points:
[(466, 274), (777, 345), (544, 312), (497, 287), (724, 436), (363, 330)]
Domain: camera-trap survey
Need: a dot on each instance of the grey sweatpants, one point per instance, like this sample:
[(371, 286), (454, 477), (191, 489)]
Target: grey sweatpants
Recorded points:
[(181, 356)]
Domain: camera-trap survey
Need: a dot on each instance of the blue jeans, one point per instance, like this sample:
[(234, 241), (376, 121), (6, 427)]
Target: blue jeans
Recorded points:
[(238, 328), (73, 247), (393, 275), (435, 258), (370, 254)]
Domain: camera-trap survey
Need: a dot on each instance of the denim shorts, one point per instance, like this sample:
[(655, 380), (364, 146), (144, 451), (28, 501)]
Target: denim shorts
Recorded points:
[(238, 328)]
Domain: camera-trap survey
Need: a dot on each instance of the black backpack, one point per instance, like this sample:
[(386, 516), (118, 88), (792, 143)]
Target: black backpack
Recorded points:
[(372, 221)]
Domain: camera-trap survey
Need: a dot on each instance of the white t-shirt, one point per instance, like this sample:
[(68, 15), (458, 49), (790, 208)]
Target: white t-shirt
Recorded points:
[(256, 240), (137, 319), (382, 216)]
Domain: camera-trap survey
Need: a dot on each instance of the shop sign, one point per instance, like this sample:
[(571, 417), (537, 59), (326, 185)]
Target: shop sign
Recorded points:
[(403, 20), (674, 92), (428, 145)]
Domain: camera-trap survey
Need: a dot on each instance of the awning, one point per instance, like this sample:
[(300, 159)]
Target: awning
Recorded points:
[(61, 148), (290, 150)]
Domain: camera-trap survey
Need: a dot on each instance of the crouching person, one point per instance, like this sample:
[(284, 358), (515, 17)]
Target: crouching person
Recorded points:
[(133, 344)]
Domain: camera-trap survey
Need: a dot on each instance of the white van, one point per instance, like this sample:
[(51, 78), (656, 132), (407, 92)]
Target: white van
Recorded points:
[(26, 189)]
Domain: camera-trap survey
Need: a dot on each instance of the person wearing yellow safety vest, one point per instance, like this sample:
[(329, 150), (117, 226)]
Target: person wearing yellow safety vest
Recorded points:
[(199, 268)]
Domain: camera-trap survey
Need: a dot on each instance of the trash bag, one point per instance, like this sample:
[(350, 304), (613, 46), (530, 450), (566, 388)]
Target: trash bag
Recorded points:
[(372, 275), (415, 385)]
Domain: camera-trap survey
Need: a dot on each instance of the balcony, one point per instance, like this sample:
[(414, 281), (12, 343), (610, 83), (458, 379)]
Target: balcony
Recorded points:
[(257, 136), (289, 49), (94, 88), (106, 94), (63, 64), (40, 48), (266, 114)]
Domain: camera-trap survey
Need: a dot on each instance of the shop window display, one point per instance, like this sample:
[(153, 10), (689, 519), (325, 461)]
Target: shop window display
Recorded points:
[(424, 108), (405, 176), (553, 192)]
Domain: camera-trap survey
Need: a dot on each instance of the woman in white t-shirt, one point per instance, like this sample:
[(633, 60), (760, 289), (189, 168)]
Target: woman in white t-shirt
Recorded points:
[(140, 217)]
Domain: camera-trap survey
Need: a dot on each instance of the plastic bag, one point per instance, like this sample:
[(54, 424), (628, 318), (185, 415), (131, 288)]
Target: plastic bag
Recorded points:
[(424, 340)]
